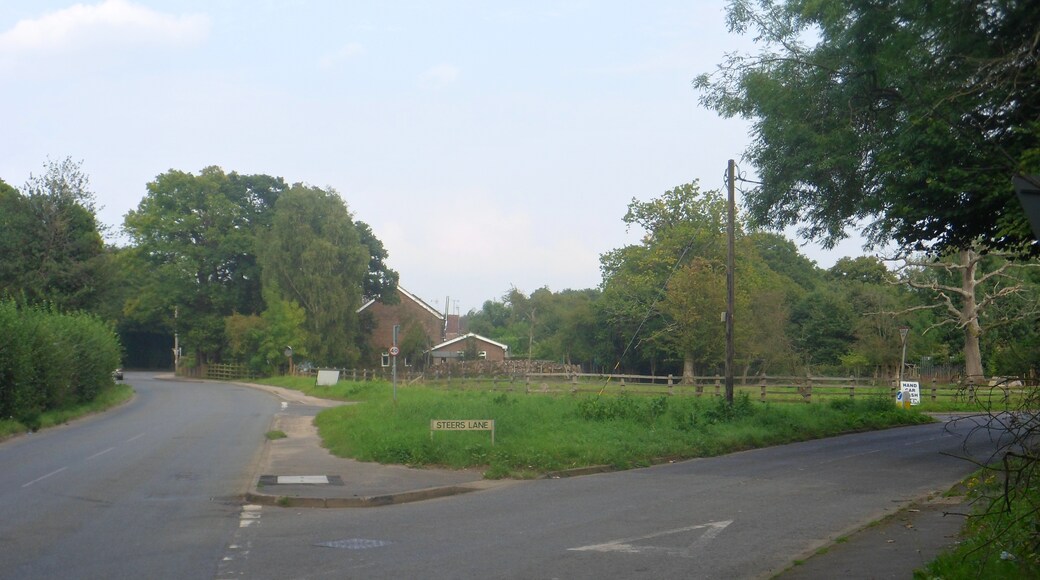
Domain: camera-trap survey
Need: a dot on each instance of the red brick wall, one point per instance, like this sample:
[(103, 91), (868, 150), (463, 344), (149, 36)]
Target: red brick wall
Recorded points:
[(406, 313)]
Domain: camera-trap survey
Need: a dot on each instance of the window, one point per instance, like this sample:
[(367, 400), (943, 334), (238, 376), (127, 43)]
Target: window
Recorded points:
[(384, 359), (482, 354)]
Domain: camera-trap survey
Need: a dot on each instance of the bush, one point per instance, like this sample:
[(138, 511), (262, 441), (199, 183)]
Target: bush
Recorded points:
[(50, 360)]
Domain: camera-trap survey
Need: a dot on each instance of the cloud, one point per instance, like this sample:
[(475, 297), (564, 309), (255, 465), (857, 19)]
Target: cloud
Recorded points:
[(439, 76), (345, 53), (109, 23)]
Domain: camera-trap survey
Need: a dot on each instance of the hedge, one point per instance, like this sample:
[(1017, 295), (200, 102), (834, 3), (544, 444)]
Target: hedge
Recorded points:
[(50, 360)]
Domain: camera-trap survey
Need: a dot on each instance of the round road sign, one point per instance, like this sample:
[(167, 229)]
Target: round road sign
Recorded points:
[(394, 351)]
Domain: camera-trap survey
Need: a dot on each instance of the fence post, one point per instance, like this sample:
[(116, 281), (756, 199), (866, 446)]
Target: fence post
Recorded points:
[(808, 392), (763, 387), (718, 385), (933, 388)]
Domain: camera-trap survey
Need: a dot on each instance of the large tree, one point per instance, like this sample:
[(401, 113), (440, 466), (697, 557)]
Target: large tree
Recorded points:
[(665, 294), (973, 293), (193, 238), (910, 116), (314, 256)]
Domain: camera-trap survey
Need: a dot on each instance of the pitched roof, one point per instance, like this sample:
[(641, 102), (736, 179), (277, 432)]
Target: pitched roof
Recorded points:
[(411, 297), (471, 335)]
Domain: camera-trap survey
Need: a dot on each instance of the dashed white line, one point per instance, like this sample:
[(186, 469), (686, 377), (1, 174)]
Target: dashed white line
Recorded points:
[(99, 453), (138, 436), (55, 472)]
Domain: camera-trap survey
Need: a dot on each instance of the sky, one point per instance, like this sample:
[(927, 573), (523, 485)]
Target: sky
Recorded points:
[(490, 145)]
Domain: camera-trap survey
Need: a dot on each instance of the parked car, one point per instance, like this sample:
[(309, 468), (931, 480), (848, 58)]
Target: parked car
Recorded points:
[(117, 374)]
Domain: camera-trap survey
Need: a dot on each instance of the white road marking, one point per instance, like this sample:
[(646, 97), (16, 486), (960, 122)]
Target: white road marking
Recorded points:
[(626, 545), (844, 457), (55, 472), (305, 479), (285, 405), (138, 436), (238, 549), (99, 453)]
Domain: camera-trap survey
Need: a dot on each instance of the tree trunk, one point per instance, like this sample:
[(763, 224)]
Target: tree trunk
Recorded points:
[(687, 369), (970, 317)]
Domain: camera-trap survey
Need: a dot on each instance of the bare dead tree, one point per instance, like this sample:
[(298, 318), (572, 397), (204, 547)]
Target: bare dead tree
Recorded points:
[(962, 306)]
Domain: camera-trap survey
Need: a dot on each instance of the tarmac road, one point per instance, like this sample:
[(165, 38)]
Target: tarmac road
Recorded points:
[(745, 515), (149, 490), (152, 490)]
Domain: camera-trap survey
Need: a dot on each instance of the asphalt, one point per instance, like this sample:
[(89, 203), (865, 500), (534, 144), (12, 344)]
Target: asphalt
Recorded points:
[(291, 471)]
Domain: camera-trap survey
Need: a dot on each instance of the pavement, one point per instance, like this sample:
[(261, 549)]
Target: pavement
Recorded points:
[(298, 472)]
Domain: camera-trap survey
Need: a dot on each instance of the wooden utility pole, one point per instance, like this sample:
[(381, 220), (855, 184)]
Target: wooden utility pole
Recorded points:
[(731, 179)]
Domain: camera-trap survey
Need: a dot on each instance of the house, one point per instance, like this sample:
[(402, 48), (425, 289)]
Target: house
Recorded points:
[(421, 327), (469, 346)]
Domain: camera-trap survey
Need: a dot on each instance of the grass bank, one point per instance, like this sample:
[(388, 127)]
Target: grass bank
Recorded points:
[(1001, 539), (537, 434), (107, 398)]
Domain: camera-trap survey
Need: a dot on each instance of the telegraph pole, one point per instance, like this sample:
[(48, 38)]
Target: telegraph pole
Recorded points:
[(731, 178)]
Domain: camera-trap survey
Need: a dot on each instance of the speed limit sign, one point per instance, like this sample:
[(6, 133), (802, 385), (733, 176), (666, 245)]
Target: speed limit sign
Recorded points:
[(394, 351)]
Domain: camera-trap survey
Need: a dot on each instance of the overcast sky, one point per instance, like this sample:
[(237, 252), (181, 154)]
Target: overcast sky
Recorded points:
[(488, 144)]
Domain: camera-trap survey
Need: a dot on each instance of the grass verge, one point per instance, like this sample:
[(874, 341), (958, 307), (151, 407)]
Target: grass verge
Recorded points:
[(538, 434), (1001, 539), (108, 398)]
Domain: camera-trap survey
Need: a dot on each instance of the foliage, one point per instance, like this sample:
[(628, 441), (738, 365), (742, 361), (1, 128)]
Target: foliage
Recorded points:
[(381, 281), (51, 250), (50, 360), (313, 256), (261, 340), (665, 294), (912, 116), (194, 236)]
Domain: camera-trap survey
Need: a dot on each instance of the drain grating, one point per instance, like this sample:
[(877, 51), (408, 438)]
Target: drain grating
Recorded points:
[(353, 544), (266, 480)]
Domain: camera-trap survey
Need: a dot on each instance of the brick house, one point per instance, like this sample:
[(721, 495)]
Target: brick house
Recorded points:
[(478, 347), (421, 328)]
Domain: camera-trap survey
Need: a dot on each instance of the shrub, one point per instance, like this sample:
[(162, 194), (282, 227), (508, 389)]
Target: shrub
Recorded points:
[(50, 360)]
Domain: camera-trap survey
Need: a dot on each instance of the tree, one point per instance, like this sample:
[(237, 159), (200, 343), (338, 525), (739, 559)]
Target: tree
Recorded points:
[(51, 249), (910, 114), (964, 288), (682, 223), (666, 293), (194, 238), (313, 255), (381, 281)]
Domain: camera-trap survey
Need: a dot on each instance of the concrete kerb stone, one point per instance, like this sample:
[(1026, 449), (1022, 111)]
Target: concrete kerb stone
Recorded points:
[(360, 502)]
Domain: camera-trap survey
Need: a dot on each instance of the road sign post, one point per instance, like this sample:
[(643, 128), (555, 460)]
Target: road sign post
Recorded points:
[(394, 351)]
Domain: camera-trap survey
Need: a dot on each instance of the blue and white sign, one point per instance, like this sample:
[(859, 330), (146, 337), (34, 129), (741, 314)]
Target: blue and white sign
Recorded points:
[(909, 390)]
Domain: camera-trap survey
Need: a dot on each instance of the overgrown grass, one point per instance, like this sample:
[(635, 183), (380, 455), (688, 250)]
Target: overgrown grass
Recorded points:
[(538, 434), (341, 391), (1001, 540), (107, 398)]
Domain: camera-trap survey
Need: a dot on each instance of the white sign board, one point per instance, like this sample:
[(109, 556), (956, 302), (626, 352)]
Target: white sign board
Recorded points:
[(911, 391), (327, 378)]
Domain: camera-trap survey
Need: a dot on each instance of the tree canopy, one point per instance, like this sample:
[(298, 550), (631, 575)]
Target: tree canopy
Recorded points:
[(909, 116), (50, 240)]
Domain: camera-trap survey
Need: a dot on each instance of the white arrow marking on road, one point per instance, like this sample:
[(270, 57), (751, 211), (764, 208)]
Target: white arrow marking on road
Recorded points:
[(625, 545)]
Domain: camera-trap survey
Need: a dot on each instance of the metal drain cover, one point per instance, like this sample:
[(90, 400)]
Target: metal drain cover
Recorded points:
[(354, 544)]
